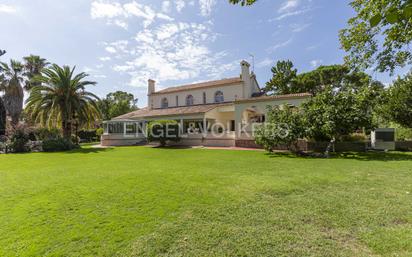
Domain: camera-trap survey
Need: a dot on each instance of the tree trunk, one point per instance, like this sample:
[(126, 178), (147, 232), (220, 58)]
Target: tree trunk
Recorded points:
[(330, 145), (67, 130)]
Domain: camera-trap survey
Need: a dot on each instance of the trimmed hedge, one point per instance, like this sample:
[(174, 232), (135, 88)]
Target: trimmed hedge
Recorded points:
[(58, 145)]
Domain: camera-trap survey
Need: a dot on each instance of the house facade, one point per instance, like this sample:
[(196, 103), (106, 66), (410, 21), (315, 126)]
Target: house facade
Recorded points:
[(214, 113)]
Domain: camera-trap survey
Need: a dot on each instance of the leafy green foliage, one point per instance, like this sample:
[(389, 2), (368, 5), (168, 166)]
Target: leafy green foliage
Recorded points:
[(285, 79), (61, 98), (88, 135), (332, 114), (283, 127), (163, 131), (243, 2), (99, 132), (282, 81), (47, 133), (397, 106), (379, 35), (19, 140), (116, 104), (33, 66), (58, 145)]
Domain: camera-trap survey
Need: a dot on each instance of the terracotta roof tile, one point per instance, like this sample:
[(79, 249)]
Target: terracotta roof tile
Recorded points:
[(213, 83), (273, 97), (184, 110)]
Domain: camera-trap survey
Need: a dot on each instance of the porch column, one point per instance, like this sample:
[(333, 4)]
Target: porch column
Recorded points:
[(204, 126), (124, 129), (181, 126)]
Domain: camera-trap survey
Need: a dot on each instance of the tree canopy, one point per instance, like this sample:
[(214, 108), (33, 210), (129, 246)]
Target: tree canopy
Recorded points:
[(379, 35), (286, 80), (397, 106), (62, 99), (116, 104)]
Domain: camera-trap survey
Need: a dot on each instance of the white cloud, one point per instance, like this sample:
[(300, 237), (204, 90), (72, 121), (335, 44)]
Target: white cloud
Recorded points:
[(288, 5), (4, 8), (279, 45), (316, 63), (173, 51), (289, 14), (117, 14), (166, 6), (180, 4), (264, 63), (101, 9), (105, 58), (206, 7), (299, 27)]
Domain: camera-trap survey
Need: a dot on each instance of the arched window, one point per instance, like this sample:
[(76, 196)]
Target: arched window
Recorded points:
[(164, 103), (219, 97), (189, 100)]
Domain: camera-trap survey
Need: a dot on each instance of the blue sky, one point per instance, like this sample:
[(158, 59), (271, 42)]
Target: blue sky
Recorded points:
[(123, 43)]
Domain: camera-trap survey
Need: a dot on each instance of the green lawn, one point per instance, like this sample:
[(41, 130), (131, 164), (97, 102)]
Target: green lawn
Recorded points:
[(138, 201)]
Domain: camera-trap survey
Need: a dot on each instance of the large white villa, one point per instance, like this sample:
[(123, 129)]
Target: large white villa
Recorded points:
[(227, 108)]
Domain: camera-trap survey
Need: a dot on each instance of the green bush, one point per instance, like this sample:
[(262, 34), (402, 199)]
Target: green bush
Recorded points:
[(163, 131), (355, 137), (45, 133), (284, 126), (99, 132), (58, 145), (19, 141), (87, 135)]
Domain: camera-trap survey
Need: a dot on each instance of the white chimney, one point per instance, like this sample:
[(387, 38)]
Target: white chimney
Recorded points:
[(150, 90), (247, 83)]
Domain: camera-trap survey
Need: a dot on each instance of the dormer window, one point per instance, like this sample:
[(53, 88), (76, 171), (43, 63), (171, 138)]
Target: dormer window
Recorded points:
[(189, 100), (204, 97), (219, 98), (165, 103)]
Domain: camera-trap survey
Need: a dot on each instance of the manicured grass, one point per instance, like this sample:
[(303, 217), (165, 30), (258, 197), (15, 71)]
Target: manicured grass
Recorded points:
[(138, 201)]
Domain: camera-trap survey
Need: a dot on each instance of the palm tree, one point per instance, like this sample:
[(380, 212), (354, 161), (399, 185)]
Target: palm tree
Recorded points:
[(61, 99), (13, 91), (33, 65), (2, 118)]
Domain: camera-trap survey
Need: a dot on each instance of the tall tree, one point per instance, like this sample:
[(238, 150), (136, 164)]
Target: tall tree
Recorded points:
[(2, 52), (379, 35), (13, 91), (116, 104), (283, 76), (332, 114), (33, 65), (62, 98), (397, 106)]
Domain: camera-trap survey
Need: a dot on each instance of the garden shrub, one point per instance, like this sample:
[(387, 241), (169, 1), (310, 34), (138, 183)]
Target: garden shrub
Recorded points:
[(87, 135), (99, 132), (163, 131), (19, 140), (45, 133), (58, 145), (284, 126)]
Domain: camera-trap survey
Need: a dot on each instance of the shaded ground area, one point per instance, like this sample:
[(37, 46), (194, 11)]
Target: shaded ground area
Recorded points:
[(139, 201)]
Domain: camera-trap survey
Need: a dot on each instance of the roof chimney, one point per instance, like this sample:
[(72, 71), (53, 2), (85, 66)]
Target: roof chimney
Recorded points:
[(247, 83), (151, 86)]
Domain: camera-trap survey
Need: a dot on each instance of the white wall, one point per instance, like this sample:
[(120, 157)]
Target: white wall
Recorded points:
[(230, 92)]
